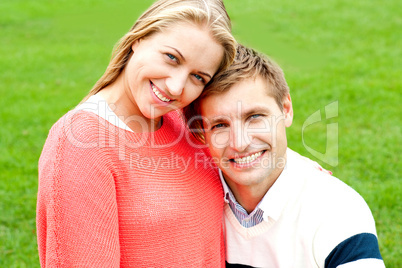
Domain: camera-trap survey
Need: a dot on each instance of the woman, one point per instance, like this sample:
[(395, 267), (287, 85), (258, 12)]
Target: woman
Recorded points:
[(119, 183)]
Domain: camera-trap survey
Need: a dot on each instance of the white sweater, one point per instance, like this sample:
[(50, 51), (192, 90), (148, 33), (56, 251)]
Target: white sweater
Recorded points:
[(311, 219)]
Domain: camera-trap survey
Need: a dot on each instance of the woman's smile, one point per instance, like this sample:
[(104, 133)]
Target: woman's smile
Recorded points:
[(159, 94)]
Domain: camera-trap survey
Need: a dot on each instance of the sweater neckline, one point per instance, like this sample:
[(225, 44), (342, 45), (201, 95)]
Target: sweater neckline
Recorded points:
[(171, 131)]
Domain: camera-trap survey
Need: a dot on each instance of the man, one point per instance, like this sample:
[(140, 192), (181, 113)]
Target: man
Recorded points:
[(281, 210)]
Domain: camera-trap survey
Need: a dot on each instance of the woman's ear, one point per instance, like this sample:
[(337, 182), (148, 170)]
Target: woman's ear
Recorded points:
[(288, 110), (135, 44)]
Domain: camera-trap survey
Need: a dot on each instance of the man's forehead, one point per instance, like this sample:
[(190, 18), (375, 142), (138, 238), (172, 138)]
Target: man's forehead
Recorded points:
[(236, 103), (215, 109)]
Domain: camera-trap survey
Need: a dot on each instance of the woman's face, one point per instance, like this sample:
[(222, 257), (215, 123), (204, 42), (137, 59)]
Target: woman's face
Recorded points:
[(169, 69)]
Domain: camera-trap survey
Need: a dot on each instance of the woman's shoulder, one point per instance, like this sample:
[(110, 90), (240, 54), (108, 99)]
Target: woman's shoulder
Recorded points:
[(77, 122), (82, 119), (76, 130)]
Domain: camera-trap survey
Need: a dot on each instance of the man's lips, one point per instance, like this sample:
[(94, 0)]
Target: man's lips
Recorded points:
[(249, 158)]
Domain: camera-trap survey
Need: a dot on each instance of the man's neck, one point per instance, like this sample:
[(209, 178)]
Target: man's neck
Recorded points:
[(248, 196)]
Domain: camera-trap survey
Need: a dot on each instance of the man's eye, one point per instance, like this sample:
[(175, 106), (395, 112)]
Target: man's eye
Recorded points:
[(217, 126), (254, 116)]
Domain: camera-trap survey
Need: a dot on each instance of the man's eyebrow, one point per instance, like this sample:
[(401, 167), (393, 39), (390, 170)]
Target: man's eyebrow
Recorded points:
[(252, 111), (216, 119), (184, 59), (256, 110)]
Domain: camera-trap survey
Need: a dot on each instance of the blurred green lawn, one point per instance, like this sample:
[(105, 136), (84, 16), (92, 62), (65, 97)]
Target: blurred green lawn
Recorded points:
[(52, 52)]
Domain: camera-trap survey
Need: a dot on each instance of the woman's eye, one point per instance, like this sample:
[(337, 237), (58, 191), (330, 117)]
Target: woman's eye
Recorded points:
[(199, 78), (171, 57)]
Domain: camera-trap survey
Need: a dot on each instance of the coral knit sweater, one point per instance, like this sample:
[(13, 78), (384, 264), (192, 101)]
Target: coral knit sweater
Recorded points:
[(113, 198)]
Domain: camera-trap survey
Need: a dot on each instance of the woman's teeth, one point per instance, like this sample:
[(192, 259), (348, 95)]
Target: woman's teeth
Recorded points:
[(248, 159), (159, 95)]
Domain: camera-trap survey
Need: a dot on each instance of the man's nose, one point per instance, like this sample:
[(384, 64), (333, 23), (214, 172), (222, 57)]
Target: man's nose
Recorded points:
[(239, 140)]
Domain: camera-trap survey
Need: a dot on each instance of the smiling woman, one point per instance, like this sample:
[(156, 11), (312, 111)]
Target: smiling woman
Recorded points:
[(119, 185), (164, 74)]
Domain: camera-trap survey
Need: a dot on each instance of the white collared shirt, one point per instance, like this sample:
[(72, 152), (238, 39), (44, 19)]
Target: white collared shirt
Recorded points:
[(263, 210)]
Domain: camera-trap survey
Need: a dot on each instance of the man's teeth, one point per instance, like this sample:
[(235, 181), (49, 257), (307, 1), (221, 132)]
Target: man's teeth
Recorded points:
[(159, 95), (248, 159)]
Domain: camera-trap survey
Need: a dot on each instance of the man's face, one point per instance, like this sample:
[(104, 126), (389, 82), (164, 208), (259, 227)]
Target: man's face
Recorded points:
[(245, 132)]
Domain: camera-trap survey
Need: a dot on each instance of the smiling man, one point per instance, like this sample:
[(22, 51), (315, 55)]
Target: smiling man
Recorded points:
[(281, 210)]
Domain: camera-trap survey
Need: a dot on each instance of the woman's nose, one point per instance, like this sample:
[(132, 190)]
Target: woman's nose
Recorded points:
[(175, 83)]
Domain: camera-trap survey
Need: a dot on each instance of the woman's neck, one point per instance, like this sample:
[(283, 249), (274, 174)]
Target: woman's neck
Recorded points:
[(126, 108)]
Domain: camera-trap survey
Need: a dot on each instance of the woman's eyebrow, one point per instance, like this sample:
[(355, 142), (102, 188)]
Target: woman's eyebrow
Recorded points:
[(184, 59), (206, 74), (178, 52)]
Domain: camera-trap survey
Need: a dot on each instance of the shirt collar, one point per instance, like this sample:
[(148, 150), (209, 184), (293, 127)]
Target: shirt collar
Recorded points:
[(226, 189), (274, 201)]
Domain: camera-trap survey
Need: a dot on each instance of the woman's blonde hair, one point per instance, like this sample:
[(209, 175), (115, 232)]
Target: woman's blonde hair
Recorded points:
[(162, 14)]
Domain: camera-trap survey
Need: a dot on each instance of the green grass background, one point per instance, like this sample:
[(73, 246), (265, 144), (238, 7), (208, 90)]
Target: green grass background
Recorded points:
[(52, 52)]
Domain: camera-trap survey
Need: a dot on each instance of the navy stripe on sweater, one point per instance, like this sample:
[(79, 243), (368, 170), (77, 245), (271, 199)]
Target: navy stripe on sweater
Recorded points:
[(360, 246), (232, 265)]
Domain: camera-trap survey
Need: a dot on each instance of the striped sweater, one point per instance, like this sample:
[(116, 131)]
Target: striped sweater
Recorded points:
[(311, 219)]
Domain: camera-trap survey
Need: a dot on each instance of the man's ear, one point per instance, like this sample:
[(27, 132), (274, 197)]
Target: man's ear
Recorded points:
[(288, 110)]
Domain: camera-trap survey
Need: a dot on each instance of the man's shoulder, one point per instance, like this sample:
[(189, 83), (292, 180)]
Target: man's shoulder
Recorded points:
[(338, 216), (322, 188)]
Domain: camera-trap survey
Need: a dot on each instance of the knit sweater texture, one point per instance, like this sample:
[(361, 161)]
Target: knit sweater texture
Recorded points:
[(112, 198)]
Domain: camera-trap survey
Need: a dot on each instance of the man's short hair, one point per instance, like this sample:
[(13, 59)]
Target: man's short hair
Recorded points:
[(247, 64)]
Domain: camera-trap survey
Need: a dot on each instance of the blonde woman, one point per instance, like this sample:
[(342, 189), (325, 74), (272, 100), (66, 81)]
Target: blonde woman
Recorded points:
[(120, 184)]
